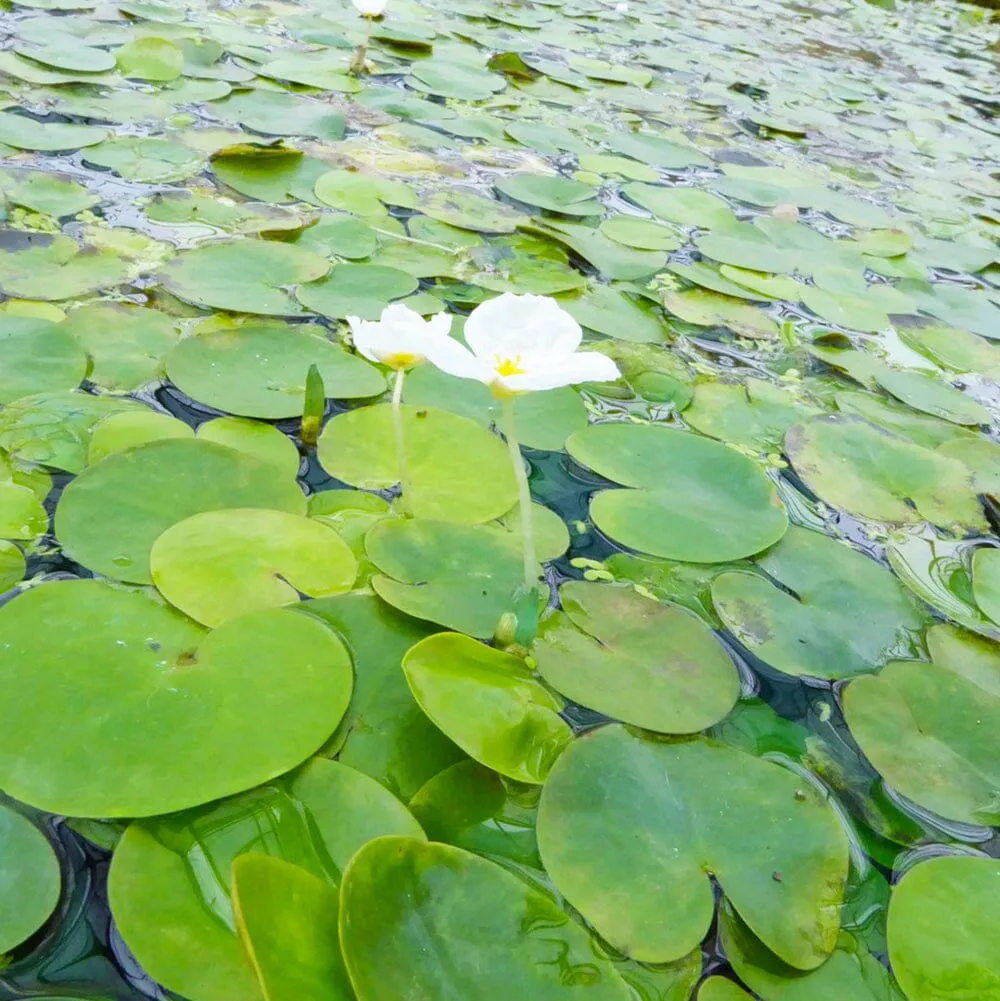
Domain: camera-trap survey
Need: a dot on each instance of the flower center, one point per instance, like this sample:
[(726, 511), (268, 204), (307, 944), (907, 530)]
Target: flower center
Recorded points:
[(402, 360), (508, 366)]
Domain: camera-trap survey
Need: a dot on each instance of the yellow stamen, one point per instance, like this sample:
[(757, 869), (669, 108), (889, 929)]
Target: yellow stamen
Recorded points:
[(509, 366)]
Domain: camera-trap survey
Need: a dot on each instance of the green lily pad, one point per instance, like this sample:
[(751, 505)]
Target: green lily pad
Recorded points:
[(362, 290), (131, 428), (866, 471), (264, 441), (180, 207), (682, 205), (471, 211), (488, 703), (642, 234), (721, 989), (324, 69), (835, 613), (981, 457), (986, 581), (398, 893), (12, 565), (144, 751), (53, 429), (259, 370), (850, 972), (693, 499), (746, 246), (460, 576), (710, 309), (68, 56), (458, 471), (29, 879), (846, 309), (57, 268), (22, 132), (277, 903), (22, 516), (947, 346), (626, 818), (385, 734), (631, 658), (109, 517), (552, 192), (973, 657), (932, 396), (50, 194), (273, 173), (150, 58), (37, 355), (614, 313), (217, 565), (276, 114), (921, 429), (171, 878), (362, 194), (610, 258), (756, 414), (448, 79), (942, 918), (245, 276), (126, 343), (933, 735), (140, 159), (647, 147)]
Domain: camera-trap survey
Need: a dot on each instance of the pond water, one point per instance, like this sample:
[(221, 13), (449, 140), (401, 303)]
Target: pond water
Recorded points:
[(284, 718)]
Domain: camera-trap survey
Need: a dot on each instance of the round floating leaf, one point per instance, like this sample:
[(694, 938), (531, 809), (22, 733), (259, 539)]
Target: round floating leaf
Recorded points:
[(851, 972), (552, 192), (287, 920), (710, 309), (362, 194), (493, 934), (615, 314), (272, 173), (902, 420), (245, 276), (264, 441), (385, 734), (647, 147), (12, 565), (276, 114), (834, 614), (181, 207), (459, 576), (986, 581), (340, 236), (126, 430), (973, 657), (217, 565), (458, 471), (686, 206), (52, 195), (942, 924), (643, 234), (21, 513), (721, 989), (488, 703), (23, 132), (611, 259), (140, 159), (260, 370), (623, 818), (150, 58), (170, 879), (746, 246), (933, 735), (628, 656), (932, 396), (130, 736), (356, 290), (109, 517), (37, 355), (948, 347), (471, 211), (866, 471), (126, 343), (54, 429), (29, 879), (697, 500), (57, 268), (67, 55)]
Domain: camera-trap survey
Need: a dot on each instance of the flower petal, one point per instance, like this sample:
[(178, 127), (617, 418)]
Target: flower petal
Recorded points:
[(513, 325), (584, 366), (456, 359)]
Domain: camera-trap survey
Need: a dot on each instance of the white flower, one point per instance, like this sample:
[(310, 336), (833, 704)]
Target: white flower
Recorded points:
[(402, 337), (371, 8), (521, 343), (621, 8)]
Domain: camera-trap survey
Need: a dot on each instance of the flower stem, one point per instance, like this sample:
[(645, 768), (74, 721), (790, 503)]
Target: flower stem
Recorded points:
[(397, 423), (361, 53), (523, 493)]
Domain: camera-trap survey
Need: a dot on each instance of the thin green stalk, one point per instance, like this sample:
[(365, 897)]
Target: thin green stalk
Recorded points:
[(397, 423), (523, 494), (361, 53)]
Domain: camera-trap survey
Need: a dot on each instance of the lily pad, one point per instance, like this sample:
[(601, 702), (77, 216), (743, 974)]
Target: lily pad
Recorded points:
[(614, 313), (217, 565), (488, 703), (625, 818), (29, 879), (260, 369), (362, 290), (933, 735), (263, 441), (471, 211), (693, 499), (131, 428), (109, 517), (683, 205), (58, 268), (50, 194), (144, 751), (276, 114), (710, 309), (458, 471), (150, 58), (363, 194), (942, 918), (137, 158), (834, 614), (459, 576), (932, 396), (246, 276), (171, 878), (23, 132), (631, 658), (269, 173), (642, 234), (986, 581), (12, 565), (552, 192), (397, 892), (37, 355)]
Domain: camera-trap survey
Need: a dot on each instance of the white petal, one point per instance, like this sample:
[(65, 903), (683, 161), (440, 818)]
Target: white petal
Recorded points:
[(365, 335), (371, 8), (455, 359), (513, 325), (584, 366)]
